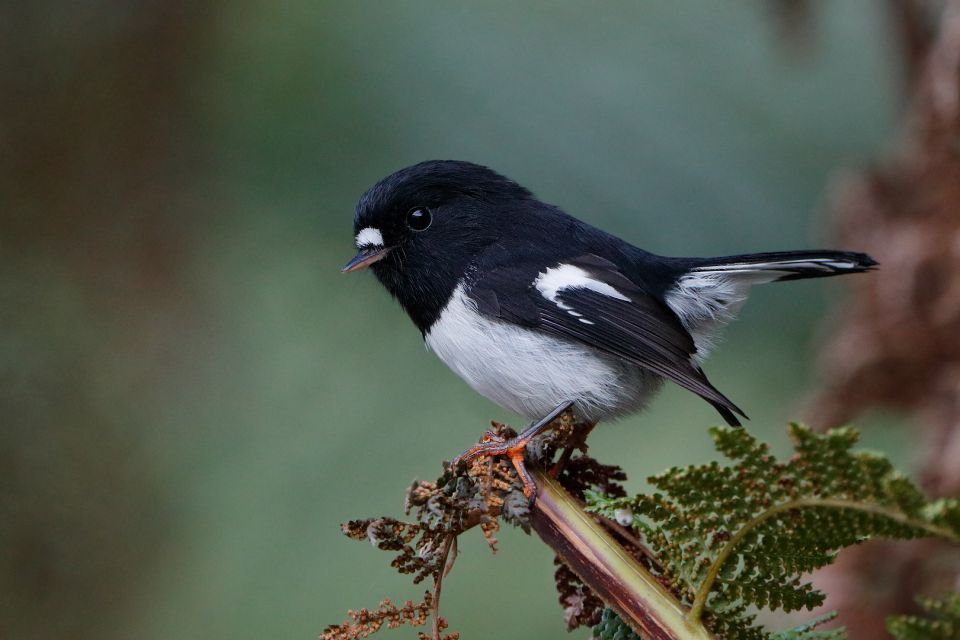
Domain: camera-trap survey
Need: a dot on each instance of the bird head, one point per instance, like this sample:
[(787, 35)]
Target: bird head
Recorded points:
[(419, 229)]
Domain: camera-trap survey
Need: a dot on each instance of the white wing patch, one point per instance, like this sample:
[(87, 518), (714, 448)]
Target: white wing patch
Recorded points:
[(369, 236), (567, 276)]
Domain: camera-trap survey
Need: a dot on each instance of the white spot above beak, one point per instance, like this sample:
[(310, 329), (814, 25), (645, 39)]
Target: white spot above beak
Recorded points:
[(369, 236)]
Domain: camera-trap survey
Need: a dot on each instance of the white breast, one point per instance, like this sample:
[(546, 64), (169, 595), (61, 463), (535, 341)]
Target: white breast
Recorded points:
[(529, 372)]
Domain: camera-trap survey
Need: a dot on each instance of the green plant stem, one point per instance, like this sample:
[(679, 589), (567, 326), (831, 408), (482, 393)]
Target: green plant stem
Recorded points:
[(700, 600), (615, 576)]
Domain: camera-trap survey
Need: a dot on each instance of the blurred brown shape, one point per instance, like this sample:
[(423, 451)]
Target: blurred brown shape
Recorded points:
[(794, 21), (897, 346), (913, 22), (92, 168)]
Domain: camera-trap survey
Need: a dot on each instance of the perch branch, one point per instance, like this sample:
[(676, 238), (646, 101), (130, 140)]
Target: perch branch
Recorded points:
[(603, 565)]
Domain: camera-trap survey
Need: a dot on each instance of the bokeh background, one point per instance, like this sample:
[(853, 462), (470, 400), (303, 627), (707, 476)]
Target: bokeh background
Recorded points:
[(193, 397)]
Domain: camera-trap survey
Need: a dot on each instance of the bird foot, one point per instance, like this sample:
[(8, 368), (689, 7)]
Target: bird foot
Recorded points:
[(493, 444)]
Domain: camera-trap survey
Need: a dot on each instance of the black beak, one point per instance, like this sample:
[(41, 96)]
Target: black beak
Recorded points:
[(365, 258)]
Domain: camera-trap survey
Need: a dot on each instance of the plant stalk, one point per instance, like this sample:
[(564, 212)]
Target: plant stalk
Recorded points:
[(614, 575)]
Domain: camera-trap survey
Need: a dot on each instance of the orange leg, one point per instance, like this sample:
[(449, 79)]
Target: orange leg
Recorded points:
[(493, 445)]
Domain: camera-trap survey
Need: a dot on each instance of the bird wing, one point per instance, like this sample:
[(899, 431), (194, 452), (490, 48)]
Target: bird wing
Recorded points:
[(589, 300)]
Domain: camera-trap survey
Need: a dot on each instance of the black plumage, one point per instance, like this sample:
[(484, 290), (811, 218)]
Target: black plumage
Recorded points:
[(493, 242)]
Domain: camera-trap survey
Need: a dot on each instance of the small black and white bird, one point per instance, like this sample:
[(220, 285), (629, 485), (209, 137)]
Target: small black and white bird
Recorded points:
[(535, 309)]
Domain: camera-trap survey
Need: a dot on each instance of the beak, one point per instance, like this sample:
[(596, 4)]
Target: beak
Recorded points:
[(365, 258)]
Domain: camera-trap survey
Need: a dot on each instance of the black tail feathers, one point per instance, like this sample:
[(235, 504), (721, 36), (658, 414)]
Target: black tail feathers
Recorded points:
[(728, 415), (745, 270), (789, 265)]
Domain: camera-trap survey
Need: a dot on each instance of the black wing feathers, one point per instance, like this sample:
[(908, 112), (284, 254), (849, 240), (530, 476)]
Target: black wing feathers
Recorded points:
[(641, 330)]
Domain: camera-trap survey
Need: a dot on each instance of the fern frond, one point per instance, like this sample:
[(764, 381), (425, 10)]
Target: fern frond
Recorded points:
[(611, 627), (742, 534), (942, 621), (811, 630)]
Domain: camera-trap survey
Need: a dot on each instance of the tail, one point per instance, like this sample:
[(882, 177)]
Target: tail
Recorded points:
[(710, 291), (756, 268)]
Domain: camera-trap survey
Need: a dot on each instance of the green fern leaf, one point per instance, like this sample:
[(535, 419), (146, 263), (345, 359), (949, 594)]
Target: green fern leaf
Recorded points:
[(611, 627), (942, 621), (741, 535)]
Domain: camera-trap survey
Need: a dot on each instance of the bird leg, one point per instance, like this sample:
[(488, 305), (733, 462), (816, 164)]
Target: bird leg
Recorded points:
[(492, 444)]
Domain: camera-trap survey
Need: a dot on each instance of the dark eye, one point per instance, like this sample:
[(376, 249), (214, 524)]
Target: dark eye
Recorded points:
[(419, 218)]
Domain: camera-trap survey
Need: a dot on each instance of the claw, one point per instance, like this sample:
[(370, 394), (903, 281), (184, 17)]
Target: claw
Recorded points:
[(492, 444)]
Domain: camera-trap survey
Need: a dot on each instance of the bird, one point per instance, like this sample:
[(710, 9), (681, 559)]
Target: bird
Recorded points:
[(539, 311)]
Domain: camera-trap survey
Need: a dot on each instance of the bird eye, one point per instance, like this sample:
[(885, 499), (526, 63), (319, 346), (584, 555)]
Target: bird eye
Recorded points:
[(419, 218)]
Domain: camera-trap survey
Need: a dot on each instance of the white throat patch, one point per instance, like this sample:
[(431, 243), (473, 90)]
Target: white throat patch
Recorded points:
[(370, 236)]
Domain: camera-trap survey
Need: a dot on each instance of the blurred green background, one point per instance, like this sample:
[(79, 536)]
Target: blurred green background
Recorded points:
[(194, 397)]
